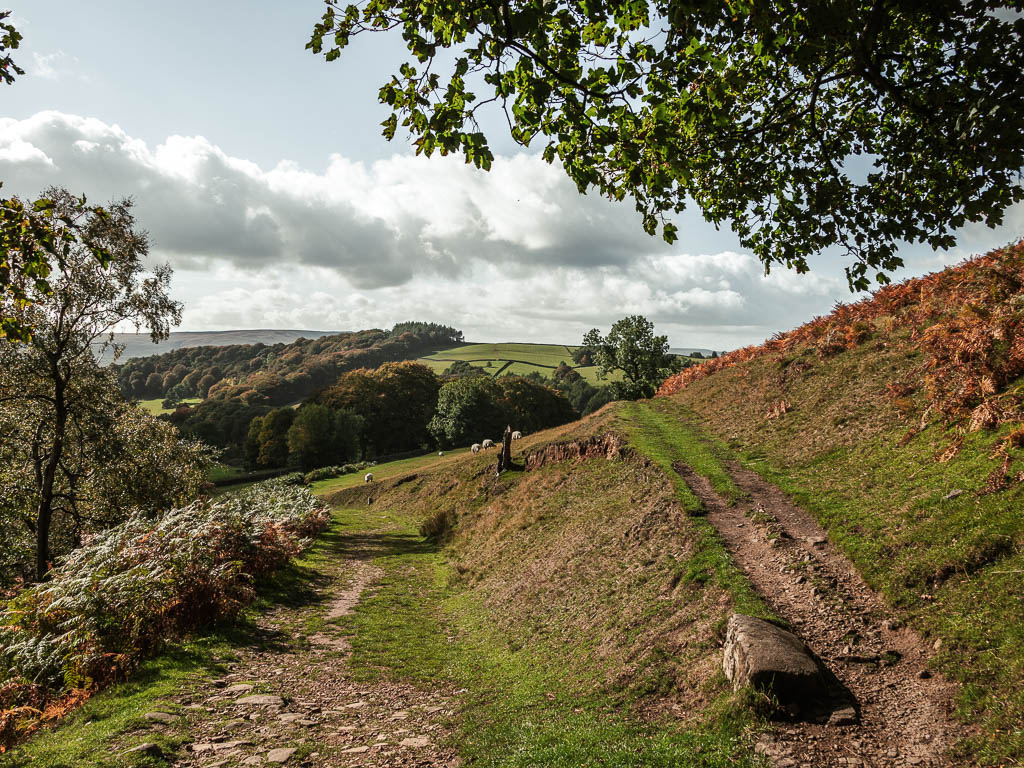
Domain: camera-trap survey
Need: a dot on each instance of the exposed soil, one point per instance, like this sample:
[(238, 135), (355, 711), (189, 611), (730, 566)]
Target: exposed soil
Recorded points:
[(310, 711), (904, 710)]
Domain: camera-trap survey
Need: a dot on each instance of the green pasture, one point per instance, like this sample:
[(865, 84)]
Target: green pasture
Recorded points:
[(155, 406), (518, 359), (384, 471)]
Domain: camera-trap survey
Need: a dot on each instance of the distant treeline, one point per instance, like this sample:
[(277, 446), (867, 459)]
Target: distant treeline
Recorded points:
[(258, 374)]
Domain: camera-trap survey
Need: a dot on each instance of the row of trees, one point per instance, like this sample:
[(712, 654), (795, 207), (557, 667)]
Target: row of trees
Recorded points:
[(399, 408)]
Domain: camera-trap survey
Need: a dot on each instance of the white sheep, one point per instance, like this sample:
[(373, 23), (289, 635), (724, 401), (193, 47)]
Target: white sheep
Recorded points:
[(517, 435), (440, 453), (488, 443), (368, 478), (475, 447)]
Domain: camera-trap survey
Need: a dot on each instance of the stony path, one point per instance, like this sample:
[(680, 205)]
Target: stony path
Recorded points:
[(290, 697), (902, 711)]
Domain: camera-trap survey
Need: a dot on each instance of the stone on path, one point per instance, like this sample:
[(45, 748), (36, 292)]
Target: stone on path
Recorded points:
[(355, 750), (261, 700), (843, 716), (147, 748), (764, 656), (160, 717), (415, 741), (238, 688), (280, 755)]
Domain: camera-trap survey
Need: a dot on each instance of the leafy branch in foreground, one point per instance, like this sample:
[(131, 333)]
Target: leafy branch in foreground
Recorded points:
[(806, 125)]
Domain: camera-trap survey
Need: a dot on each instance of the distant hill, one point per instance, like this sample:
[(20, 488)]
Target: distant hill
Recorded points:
[(139, 345)]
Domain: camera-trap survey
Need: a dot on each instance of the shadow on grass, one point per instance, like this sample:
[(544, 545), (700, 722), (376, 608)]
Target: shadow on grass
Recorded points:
[(368, 546)]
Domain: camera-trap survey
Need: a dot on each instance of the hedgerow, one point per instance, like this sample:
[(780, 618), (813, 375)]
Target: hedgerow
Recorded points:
[(118, 598), (326, 473)]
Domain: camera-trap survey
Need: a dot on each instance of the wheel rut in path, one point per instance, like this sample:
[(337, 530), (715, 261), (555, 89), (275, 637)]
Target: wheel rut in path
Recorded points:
[(904, 710), (291, 698)]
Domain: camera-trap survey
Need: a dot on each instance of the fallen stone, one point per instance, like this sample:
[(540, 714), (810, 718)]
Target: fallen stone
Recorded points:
[(289, 717), (952, 494), (160, 717), (201, 747), (280, 755), (261, 700), (763, 656), (816, 541), (254, 760), (415, 741), (238, 688), (355, 750), (306, 721), (148, 748)]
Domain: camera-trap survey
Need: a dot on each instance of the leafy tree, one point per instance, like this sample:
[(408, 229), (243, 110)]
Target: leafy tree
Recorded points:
[(462, 368), (631, 347), (56, 400), (805, 124), (320, 436), (266, 446), (472, 408), (395, 403)]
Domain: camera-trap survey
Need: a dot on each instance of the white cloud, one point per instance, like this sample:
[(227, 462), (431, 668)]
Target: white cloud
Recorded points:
[(515, 253)]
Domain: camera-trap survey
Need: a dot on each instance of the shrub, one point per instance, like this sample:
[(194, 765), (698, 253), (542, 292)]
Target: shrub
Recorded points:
[(118, 598), (292, 478), (438, 526)]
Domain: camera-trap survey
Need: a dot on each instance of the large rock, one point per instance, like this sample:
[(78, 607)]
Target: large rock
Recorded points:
[(763, 656)]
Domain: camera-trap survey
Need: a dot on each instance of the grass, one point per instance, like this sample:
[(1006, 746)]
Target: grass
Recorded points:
[(155, 406), (385, 471)]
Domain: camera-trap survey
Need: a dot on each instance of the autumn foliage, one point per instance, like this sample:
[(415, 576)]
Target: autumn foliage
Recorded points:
[(117, 599), (968, 321)]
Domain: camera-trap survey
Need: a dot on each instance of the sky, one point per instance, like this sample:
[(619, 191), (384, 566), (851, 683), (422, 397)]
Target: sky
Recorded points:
[(259, 171)]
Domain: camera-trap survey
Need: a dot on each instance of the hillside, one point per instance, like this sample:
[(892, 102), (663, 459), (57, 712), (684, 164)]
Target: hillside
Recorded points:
[(140, 345), (896, 422)]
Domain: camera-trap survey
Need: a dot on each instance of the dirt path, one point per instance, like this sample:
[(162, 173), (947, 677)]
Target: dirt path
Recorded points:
[(904, 717), (291, 697)]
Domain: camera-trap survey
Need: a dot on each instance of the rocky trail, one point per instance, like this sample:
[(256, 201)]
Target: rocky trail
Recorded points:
[(888, 709), (291, 698)]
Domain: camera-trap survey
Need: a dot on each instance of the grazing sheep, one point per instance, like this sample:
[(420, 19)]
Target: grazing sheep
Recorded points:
[(517, 435), (440, 453), (488, 443), (475, 447), (368, 478)]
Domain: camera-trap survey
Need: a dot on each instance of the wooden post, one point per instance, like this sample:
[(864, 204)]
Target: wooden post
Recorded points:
[(505, 459)]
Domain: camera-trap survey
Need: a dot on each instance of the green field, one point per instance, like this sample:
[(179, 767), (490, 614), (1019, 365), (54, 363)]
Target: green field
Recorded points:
[(514, 358), (155, 406)]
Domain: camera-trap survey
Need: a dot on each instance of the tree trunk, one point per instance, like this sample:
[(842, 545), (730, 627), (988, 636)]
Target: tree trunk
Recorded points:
[(44, 515)]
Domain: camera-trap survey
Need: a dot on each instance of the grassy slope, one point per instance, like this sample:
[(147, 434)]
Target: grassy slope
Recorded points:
[(953, 564)]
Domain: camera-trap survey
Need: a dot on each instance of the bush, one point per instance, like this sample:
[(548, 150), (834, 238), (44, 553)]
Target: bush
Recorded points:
[(118, 598), (292, 478)]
